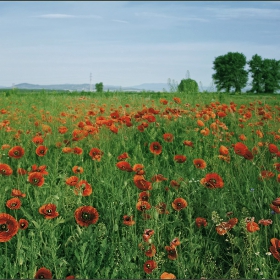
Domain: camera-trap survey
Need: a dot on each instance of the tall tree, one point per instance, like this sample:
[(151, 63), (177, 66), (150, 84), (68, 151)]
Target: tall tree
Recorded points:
[(188, 86), (256, 69), (265, 74), (99, 87), (230, 72), (271, 75)]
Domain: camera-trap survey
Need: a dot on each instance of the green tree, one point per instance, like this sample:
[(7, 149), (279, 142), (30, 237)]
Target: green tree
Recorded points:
[(99, 87), (230, 72), (256, 68), (188, 86), (265, 74), (271, 75)]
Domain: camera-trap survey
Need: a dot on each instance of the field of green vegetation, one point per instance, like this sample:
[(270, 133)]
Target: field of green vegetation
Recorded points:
[(139, 185)]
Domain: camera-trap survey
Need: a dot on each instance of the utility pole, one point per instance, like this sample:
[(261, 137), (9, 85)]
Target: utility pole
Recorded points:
[(90, 87)]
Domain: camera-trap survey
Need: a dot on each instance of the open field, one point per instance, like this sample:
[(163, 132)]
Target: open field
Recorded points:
[(121, 185)]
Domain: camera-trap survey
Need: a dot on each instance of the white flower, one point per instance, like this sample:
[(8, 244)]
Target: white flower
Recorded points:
[(268, 253)]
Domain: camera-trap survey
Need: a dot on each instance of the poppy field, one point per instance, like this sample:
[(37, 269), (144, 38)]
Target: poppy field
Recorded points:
[(139, 186)]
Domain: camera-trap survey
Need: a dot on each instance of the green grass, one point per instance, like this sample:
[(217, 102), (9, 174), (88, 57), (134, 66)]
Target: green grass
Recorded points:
[(109, 249)]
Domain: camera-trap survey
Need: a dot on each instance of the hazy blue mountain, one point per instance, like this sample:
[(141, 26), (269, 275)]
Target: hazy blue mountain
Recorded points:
[(86, 87)]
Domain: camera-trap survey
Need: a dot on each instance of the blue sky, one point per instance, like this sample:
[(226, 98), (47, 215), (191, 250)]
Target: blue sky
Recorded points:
[(130, 43)]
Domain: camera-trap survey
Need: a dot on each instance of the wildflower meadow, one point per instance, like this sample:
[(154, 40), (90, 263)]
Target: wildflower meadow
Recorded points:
[(139, 185)]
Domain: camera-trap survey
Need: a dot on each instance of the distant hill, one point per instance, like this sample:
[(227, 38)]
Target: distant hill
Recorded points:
[(86, 87)]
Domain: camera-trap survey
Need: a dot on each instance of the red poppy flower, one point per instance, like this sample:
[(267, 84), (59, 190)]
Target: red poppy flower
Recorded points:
[(141, 128), (223, 151), (151, 251), (138, 169), (232, 222), (188, 143), (156, 148), (128, 220), (200, 123), (49, 211), (16, 152), (95, 154), (265, 222), (265, 174), (141, 183), (72, 181), (148, 233), (17, 193), (163, 101), (177, 100), (275, 248), (5, 146), (168, 137), (175, 242), (158, 178), (240, 148), (242, 137), (77, 151), (41, 169), (276, 201), (221, 114), (83, 186), (149, 266), (223, 228), (248, 155), (277, 166), (166, 275), (171, 251), (125, 166), (273, 148), (86, 215), (77, 169), (123, 156), (67, 150), (179, 204), (180, 158), (275, 208), (252, 226), (199, 221), (142, 205), (62, 129), (43, 273), (78, 135), (144, 196), (38, 140), (205, 131), (13, 203), (41, 151), (212, 181), (70, 277), (23, 224), (199, 163), (36, 179), (5, 169), (149, 118), (8, 227)]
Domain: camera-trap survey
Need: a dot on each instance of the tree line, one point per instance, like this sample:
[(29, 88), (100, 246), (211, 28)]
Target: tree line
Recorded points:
[(230, 73)]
